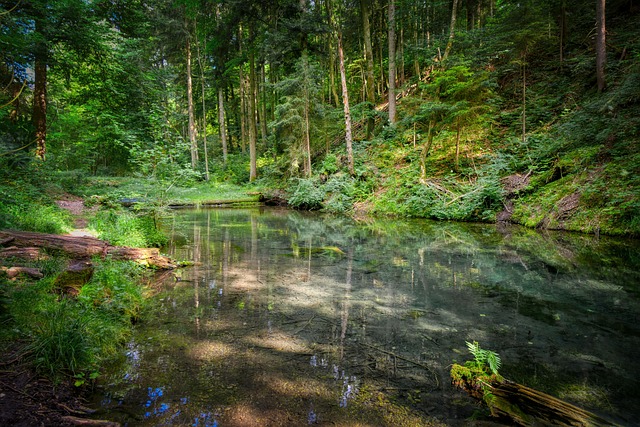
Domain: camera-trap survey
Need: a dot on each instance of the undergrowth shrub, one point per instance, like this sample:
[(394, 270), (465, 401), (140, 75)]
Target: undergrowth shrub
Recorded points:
[(35, 217), (125, 228), (306, 193), (60, 341), (68, 337)]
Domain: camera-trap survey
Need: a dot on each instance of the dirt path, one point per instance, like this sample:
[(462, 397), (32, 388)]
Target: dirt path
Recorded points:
[(75, 206)]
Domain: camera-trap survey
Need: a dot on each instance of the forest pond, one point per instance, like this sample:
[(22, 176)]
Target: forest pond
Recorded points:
[(291, 318)]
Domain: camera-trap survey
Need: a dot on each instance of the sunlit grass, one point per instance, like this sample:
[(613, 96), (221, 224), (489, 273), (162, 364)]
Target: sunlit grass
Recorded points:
[(146, 189)]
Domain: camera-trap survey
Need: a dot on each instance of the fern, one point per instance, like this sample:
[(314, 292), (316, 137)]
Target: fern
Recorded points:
[(484, 357)]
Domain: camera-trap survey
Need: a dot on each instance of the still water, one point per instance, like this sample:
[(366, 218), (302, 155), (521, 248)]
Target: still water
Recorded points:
[(290, 318)]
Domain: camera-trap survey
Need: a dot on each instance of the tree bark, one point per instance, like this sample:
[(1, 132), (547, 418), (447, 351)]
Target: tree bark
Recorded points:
[(192, 123), (452, 30), (392, 62), (223, 131), (86, 247), (40, 98), (601, 48), (253, 172), (368, 54), (307, 126), (204, 108), (347, 111)]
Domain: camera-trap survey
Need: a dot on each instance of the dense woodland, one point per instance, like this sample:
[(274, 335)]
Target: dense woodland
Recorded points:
[(523, 111), (471, 110)]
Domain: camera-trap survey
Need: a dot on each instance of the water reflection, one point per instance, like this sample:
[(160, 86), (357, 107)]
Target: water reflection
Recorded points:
[(289, 318)]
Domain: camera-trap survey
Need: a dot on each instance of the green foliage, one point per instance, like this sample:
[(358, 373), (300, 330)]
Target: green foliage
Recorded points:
[(122, 227), (484, 357), (35, 217), (113, 289), (306, 194), (68, 337)]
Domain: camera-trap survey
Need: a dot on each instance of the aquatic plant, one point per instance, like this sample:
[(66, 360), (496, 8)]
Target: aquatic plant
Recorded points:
[(477, 376)]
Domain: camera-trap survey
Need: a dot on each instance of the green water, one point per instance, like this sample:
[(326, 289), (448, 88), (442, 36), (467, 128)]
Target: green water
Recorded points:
[(293, 319)]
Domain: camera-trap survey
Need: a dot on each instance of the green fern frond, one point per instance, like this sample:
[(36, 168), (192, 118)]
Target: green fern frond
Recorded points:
[(484, 357), (493, 360)]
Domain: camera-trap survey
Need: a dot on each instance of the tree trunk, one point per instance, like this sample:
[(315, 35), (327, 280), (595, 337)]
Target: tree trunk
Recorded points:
[(601, 48), (452, 29), (204, 109), (262, 108), (458, 144), (392, 62), (84, 247), (368, 54), (243, 98), (253, 172), (530, 407), (347, 110), (223, 131), (425, 153), (563, 28), (40, 99), (524, 101), (192, 123)]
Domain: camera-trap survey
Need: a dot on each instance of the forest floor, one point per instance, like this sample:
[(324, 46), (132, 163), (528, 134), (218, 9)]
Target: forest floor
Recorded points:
[(28, 399)]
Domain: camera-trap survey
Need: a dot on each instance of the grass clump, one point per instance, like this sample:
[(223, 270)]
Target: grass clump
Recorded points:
[(122, 227), (69, 338)]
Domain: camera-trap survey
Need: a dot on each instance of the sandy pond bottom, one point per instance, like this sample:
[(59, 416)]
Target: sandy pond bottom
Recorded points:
[(290, 319)]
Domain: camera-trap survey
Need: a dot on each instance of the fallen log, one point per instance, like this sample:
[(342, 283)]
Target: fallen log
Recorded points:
[(530, 407), (523, 405), (76, 421), (29, 254), (87, 247), (13, 272)]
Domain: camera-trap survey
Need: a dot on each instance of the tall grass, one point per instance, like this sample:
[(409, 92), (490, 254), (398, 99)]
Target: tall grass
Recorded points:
[(126, 228), (67, 337)]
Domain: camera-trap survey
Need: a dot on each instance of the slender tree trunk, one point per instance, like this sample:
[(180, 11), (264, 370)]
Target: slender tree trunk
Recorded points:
[(263, 104), (332, 62), (425, 152), (452, 30), (307, 127), (368, 54), (243, 98), (416, 63), (601, 48), (347, 110), (524, 102), (253, 172), (392, 61), (192, 125), (223, 131), (401, 57), (458, 144), (563, 28), (40, 103), (204, 108)]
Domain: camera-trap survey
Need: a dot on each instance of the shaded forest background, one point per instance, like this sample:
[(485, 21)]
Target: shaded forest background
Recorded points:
[(477, 110)]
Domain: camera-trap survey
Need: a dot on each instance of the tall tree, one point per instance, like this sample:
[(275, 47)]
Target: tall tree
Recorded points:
[(190, 111), (392, 61), (365, 7), (251, 116), (347, 110), (452, 30), (601, 48)]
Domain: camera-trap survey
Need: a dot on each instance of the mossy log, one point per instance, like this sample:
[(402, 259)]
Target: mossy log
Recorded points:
[(82, 247), (530, 407), (13, 272), (524, 405)]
